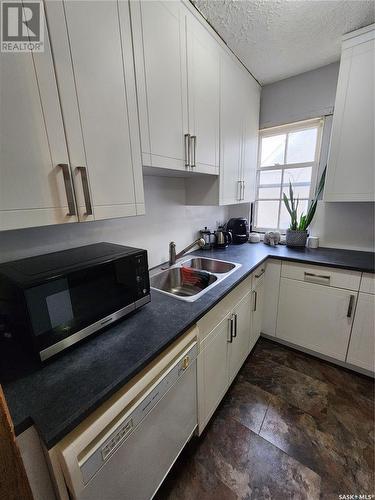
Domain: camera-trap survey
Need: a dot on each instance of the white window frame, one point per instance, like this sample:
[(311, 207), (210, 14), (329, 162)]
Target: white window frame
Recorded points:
[(286, 129)]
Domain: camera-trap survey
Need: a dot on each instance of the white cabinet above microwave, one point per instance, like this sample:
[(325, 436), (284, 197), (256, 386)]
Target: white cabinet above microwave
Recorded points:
[(70, 139)]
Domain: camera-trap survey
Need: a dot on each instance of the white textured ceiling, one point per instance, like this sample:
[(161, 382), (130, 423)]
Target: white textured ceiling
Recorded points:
[(276, 39)]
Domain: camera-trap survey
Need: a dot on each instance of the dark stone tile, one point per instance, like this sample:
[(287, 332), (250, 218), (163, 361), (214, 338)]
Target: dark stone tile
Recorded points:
[(342, 381), (343, 467), (193, 481), (304, 392), (246, 403), (252, 467), (349, 419)]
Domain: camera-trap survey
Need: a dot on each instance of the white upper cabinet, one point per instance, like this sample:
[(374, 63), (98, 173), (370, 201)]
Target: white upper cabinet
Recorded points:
[(203, 97), (95, 73), (351, 163), (32, 144), (160, 62), (231, 132)]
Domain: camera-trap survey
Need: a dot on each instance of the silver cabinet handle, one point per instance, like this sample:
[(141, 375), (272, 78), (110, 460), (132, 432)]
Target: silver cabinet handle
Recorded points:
[(68, 189), (239, 186), (350, 306), (317, 278), (187, 150), (230, 330), (235, 325), (243, 190), (261, 273), (193, 153), (85, 189), (255, 295)]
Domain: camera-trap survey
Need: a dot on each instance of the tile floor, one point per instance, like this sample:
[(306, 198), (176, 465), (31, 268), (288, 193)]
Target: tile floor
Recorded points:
[(290, 427)]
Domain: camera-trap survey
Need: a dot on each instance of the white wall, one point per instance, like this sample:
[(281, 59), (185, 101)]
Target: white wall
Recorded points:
[(167, 218), (310, 95)]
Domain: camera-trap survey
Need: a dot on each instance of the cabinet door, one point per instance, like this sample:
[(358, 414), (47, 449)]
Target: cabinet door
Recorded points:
[(231, 132), (257, 314), (239, 347), (350, 173), (203, 54), (160, 61), (212, 371), (250, 108), (32, 143), (362, 341), (315, 317), (105, 97), (271, 292)]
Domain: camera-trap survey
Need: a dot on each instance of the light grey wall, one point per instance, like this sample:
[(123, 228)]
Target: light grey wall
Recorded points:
[(310, 95), (300, 97), (167, 218)]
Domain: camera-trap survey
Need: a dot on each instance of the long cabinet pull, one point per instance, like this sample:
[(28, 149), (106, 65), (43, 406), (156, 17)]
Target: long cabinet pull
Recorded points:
[(68, 189), (187, 150), (317, 278), (230, 330), (243, 190), (85, 189), (350, 306), (193, 153), (239, 188), (235, 325), (255, 295)]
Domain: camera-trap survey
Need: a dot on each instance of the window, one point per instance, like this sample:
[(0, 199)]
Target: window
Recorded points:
[(286, 153)]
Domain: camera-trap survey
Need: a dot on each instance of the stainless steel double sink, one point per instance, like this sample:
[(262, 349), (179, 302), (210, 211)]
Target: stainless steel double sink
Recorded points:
[(190, 279)]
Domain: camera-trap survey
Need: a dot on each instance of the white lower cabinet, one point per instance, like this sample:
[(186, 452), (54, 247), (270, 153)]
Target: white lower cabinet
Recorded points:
[(224, 348), (257, 305), (212, 371), (316, 317), (361, 350), (240, 324)]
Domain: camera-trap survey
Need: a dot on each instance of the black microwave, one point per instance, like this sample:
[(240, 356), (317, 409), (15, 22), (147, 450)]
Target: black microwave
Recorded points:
[(50, 302)]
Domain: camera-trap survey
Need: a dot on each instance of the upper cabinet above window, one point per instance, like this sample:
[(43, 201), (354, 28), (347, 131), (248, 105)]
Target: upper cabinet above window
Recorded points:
[(351, 163)]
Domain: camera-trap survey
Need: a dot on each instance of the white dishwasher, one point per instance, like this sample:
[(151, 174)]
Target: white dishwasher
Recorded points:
[(129, 459)]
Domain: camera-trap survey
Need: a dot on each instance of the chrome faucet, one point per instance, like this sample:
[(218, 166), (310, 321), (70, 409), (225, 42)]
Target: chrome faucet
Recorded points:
[(172, 250)]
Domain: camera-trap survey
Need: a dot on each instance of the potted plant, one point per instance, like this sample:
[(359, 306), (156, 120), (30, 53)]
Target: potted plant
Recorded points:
[(296, 235)]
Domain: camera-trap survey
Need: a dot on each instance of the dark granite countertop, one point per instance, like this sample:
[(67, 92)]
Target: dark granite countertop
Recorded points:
[(57, 397)]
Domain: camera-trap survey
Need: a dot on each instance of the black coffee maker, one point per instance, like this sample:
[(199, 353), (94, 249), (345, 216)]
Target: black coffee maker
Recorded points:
[(239, 228)]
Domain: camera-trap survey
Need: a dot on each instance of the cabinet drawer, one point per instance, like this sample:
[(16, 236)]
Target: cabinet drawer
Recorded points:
[(321, 275), (367, 283)]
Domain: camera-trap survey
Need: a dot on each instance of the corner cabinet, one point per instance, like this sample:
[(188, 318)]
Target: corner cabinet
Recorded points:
[(76, 111), (351, 171)]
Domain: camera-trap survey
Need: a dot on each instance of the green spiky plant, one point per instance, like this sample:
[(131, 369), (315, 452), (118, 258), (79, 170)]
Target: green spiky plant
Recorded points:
[(292, 206)]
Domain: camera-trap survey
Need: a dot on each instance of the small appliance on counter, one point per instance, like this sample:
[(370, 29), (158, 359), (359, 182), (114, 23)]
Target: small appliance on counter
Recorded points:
[(239, 228), (52, 301), (209, 238), (222, 238), (254, 238)]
